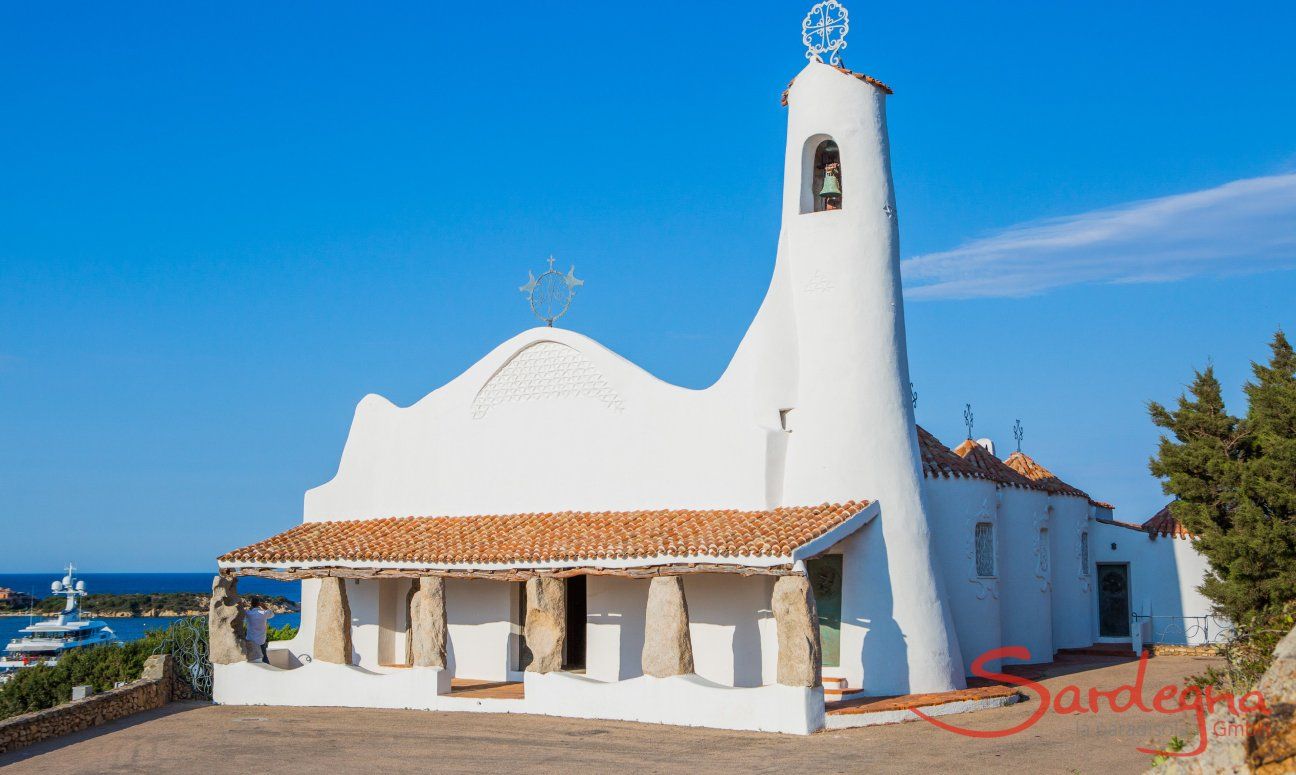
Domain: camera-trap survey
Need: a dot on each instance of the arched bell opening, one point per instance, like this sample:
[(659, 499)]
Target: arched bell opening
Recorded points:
[(824, 183)]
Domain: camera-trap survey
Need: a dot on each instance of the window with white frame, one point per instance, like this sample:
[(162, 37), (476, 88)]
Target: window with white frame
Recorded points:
[(985, 560)]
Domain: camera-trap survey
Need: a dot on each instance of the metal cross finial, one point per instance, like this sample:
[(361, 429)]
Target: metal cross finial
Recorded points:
[(967, 418), (823, 31), (1018, 433), (551, 293)]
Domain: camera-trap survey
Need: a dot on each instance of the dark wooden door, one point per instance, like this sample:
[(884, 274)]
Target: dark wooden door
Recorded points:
[(1113, 601)]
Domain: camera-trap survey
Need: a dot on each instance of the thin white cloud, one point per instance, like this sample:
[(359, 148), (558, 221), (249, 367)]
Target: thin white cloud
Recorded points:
[(1240, 227)]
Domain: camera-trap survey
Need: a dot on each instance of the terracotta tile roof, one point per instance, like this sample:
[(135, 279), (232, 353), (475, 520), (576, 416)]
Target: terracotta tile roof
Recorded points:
[(1101, 504), (939, 461), (564, 539), (865, 78), (1026, 466), (992, 467), (1163, 523)]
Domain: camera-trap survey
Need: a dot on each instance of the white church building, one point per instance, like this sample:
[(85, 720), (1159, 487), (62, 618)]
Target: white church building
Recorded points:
[(741, 556)]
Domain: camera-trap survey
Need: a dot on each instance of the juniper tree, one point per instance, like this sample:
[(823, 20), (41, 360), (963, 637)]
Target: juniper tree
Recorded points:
[(1267, 508), (1234, 481)]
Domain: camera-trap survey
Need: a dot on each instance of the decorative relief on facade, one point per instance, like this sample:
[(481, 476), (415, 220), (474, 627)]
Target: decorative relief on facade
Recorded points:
[(543, 371), (1043, 562), (819, 283), (1082, 556), (982, 550)]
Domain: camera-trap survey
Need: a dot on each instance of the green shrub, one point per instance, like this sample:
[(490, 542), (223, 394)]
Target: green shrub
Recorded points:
[(40, 687), (286, 632)]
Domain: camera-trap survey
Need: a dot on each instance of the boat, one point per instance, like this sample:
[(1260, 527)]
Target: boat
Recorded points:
[(42, 643)]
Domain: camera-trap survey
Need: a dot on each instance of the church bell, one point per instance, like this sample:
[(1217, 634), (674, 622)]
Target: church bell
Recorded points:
[(831, 186)]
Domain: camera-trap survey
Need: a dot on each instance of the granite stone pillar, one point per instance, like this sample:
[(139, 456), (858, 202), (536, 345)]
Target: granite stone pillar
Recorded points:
[(225, 626), (667, 650), (333, 623), (427, 623), (546, 623), (800, 659)]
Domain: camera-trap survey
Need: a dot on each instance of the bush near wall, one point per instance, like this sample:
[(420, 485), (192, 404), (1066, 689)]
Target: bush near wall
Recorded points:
[(40, 687)]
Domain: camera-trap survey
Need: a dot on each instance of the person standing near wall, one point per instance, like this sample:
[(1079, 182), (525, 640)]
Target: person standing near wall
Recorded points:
[(256, 616)]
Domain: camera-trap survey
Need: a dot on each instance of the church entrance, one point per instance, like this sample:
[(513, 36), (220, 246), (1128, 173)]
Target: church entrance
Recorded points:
[(825, 575), (1113, 600)]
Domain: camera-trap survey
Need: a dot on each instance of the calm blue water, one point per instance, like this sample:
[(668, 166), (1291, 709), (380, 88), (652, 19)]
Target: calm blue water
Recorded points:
[(125, 583)]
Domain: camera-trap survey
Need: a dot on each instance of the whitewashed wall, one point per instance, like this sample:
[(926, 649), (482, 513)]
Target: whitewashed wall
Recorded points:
[(1072, 603), (1164, 574), (956, 506), (1026, 591), (730, 625)]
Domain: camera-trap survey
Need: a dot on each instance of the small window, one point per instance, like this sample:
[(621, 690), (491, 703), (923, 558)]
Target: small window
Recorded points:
[(1084, 553), (985, 562)]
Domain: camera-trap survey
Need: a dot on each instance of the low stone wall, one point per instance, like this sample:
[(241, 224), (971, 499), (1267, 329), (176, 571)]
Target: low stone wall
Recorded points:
[(152, 690), (1172, 650)]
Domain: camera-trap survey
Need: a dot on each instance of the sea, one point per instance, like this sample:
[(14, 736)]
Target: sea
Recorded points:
[(133, 628)]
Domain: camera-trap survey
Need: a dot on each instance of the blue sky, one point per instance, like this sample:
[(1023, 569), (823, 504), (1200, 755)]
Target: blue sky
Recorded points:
[(221, 226)]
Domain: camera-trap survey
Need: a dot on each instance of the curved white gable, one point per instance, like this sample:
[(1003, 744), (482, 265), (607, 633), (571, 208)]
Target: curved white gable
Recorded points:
[(551, 420)]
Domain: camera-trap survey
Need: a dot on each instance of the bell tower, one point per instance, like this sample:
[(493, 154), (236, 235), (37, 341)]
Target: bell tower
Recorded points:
[(854, 433)]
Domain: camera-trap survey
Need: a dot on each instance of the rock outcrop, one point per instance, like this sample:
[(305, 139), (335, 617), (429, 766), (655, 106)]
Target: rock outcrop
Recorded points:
[(667, 650), (225, 627), (1248, 743), (546, 623), (800, 659)]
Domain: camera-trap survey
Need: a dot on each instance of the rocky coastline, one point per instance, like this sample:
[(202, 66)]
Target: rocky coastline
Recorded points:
[(142, 606)]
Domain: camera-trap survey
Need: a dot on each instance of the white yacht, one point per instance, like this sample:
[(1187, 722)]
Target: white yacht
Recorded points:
[(43, 642)]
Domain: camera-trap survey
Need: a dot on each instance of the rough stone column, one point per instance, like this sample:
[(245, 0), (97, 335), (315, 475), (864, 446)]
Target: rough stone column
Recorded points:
[(546, 623), (161, 668), (667, 650), (800, 660), (427, 623), (333, 623), (225, 628)]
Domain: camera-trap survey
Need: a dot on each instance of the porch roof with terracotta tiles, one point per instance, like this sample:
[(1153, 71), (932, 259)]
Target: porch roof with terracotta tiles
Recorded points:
[(708, 539)]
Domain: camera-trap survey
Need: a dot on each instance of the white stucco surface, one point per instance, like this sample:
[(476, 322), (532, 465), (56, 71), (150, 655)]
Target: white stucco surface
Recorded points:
[(1027, 576), (685, 700), (956, 506), (1164, 573), (1071, 604), (681, 700)]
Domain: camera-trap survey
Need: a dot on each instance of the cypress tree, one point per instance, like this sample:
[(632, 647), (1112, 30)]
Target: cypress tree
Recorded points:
[(1267, 507), (1200, 464), (1234, 481)]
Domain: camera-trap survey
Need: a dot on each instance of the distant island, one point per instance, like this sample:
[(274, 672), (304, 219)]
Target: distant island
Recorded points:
[(144, 604)]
